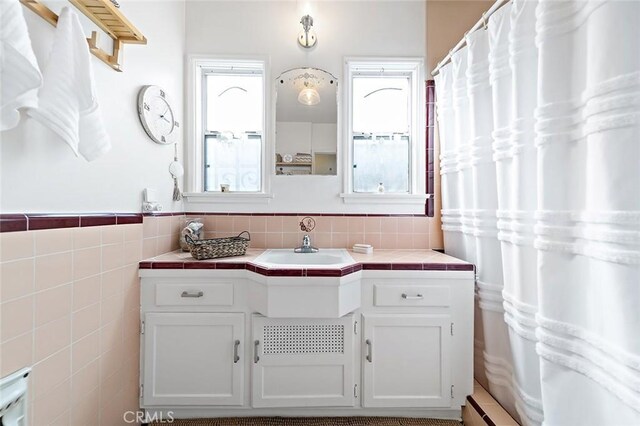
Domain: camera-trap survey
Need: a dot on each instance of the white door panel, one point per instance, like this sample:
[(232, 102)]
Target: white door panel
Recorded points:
[(302, 362), (190, 359), (406, 361)]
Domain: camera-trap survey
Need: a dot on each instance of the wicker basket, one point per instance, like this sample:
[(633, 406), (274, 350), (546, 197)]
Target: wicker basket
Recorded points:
[(218, 247)]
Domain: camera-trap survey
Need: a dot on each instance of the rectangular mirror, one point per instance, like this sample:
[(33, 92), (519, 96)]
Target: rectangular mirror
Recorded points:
[(306, 122)]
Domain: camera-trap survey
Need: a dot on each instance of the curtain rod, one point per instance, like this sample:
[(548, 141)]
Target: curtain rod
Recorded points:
[(480, 24)]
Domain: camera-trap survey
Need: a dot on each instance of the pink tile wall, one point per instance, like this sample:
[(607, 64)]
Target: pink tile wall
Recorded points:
[(383, 232), (161, 234), (69, 307)]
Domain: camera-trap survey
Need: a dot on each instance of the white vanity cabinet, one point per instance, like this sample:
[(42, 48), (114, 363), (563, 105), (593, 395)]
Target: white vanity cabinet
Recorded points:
[(303, 362), (211, 346), (406, 361), (193, 358)]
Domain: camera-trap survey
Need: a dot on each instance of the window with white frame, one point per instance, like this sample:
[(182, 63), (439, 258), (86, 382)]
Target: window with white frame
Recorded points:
[(384, 116), (229, 144)]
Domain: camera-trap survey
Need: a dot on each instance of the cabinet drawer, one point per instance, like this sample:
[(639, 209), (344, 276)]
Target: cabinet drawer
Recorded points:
[(194, 294), (411, 295)]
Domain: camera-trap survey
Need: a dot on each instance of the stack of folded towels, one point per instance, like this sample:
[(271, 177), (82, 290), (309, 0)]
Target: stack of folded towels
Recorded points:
[(302, 157)]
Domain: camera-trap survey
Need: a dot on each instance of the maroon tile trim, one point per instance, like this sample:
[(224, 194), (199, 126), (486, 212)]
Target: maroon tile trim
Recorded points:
[(167, 265), (429, 209), (326, 272), (304, 214), (128, 218), (460, 267), (199, 265), (50, 221), (434, 267), (98, 220), (357, 267), (313, 272), (282, 272), (231, 265), (13, 222), (376, 266), (407, 266)]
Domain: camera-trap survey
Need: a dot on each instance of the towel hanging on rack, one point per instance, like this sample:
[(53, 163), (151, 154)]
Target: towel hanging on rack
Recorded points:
[(20, 76), (68, 104)]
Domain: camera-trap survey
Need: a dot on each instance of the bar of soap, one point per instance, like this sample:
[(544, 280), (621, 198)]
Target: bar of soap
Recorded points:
[(363, 248)]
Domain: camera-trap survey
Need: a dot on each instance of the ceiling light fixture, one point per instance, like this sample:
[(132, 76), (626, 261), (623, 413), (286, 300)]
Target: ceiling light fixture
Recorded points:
[(308, 95), (307, 37)]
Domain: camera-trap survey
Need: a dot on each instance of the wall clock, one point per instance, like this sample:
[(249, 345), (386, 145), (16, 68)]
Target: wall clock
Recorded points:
[(157, 115)]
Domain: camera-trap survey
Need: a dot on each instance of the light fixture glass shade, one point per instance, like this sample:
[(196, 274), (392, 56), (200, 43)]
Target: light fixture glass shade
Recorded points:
[(309, 96)]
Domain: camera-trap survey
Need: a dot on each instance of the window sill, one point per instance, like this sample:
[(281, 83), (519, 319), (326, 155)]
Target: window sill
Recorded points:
[(376, 198), (228, 197)]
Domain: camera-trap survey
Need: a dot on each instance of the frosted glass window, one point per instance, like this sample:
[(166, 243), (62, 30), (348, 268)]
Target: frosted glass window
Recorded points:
[(234, 111), (381, 160), (233, 161)]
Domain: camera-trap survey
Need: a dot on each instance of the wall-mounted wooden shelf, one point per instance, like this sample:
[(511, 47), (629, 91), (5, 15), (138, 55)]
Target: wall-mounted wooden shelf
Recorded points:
[(107, 17)]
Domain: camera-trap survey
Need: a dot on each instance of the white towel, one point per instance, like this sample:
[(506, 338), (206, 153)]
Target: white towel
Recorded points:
[(67, 101), (20, 76)]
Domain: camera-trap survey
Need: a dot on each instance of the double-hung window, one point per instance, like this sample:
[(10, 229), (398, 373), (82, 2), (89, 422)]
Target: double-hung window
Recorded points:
[(229, 146), (384, 116)]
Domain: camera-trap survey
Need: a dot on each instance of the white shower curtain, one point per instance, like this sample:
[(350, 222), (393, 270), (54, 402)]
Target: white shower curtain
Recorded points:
[(540, 133)]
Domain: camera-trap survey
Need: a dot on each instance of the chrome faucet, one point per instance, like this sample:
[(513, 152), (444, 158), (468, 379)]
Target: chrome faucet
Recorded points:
[(306, 246)]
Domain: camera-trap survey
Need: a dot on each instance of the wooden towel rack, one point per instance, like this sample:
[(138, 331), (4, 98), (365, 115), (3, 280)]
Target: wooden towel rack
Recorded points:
[(107, 17)]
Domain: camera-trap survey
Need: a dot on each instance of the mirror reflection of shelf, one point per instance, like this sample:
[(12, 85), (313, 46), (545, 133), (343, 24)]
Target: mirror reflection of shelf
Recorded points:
[(293, 164), (293, 168)]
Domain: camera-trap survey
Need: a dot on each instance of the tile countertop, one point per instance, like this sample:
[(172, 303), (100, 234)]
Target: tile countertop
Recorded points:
[(404, 260)]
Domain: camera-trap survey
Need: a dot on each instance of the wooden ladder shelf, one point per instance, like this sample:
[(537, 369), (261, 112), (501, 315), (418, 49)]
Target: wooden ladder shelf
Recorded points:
[(107, 17)]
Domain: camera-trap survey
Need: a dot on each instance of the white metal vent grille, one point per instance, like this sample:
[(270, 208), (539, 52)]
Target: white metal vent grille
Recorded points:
[(303, 339)]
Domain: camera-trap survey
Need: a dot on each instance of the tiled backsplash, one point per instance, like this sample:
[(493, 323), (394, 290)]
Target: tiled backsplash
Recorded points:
[(277, 230), (161, 234), (283, 231)]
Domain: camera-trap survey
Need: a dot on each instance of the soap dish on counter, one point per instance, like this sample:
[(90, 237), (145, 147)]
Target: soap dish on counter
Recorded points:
[(363, 248)]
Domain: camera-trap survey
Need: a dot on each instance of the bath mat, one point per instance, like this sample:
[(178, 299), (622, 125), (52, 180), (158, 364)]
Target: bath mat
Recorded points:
[(312, 421)]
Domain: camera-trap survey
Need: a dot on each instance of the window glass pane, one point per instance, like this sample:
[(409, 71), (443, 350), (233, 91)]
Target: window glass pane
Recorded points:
[(234, 103), (381, 104), (382, 159), (235, 162)]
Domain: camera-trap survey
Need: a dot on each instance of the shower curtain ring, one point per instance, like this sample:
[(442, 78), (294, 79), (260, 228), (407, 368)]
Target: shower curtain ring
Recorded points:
[(484, 20)]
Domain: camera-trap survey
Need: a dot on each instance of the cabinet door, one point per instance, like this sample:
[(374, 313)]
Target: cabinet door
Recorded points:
[(406, 361), (302, 362), (193, 359)]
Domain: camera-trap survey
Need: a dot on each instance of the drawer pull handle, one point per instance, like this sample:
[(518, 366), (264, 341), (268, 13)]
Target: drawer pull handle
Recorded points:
[(416, 297), (236, 357), (369, 350), (192, 294), (256, 358)]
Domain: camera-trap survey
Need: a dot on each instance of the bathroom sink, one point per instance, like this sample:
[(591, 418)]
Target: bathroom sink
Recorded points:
[(301, 296), (287, 258)]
